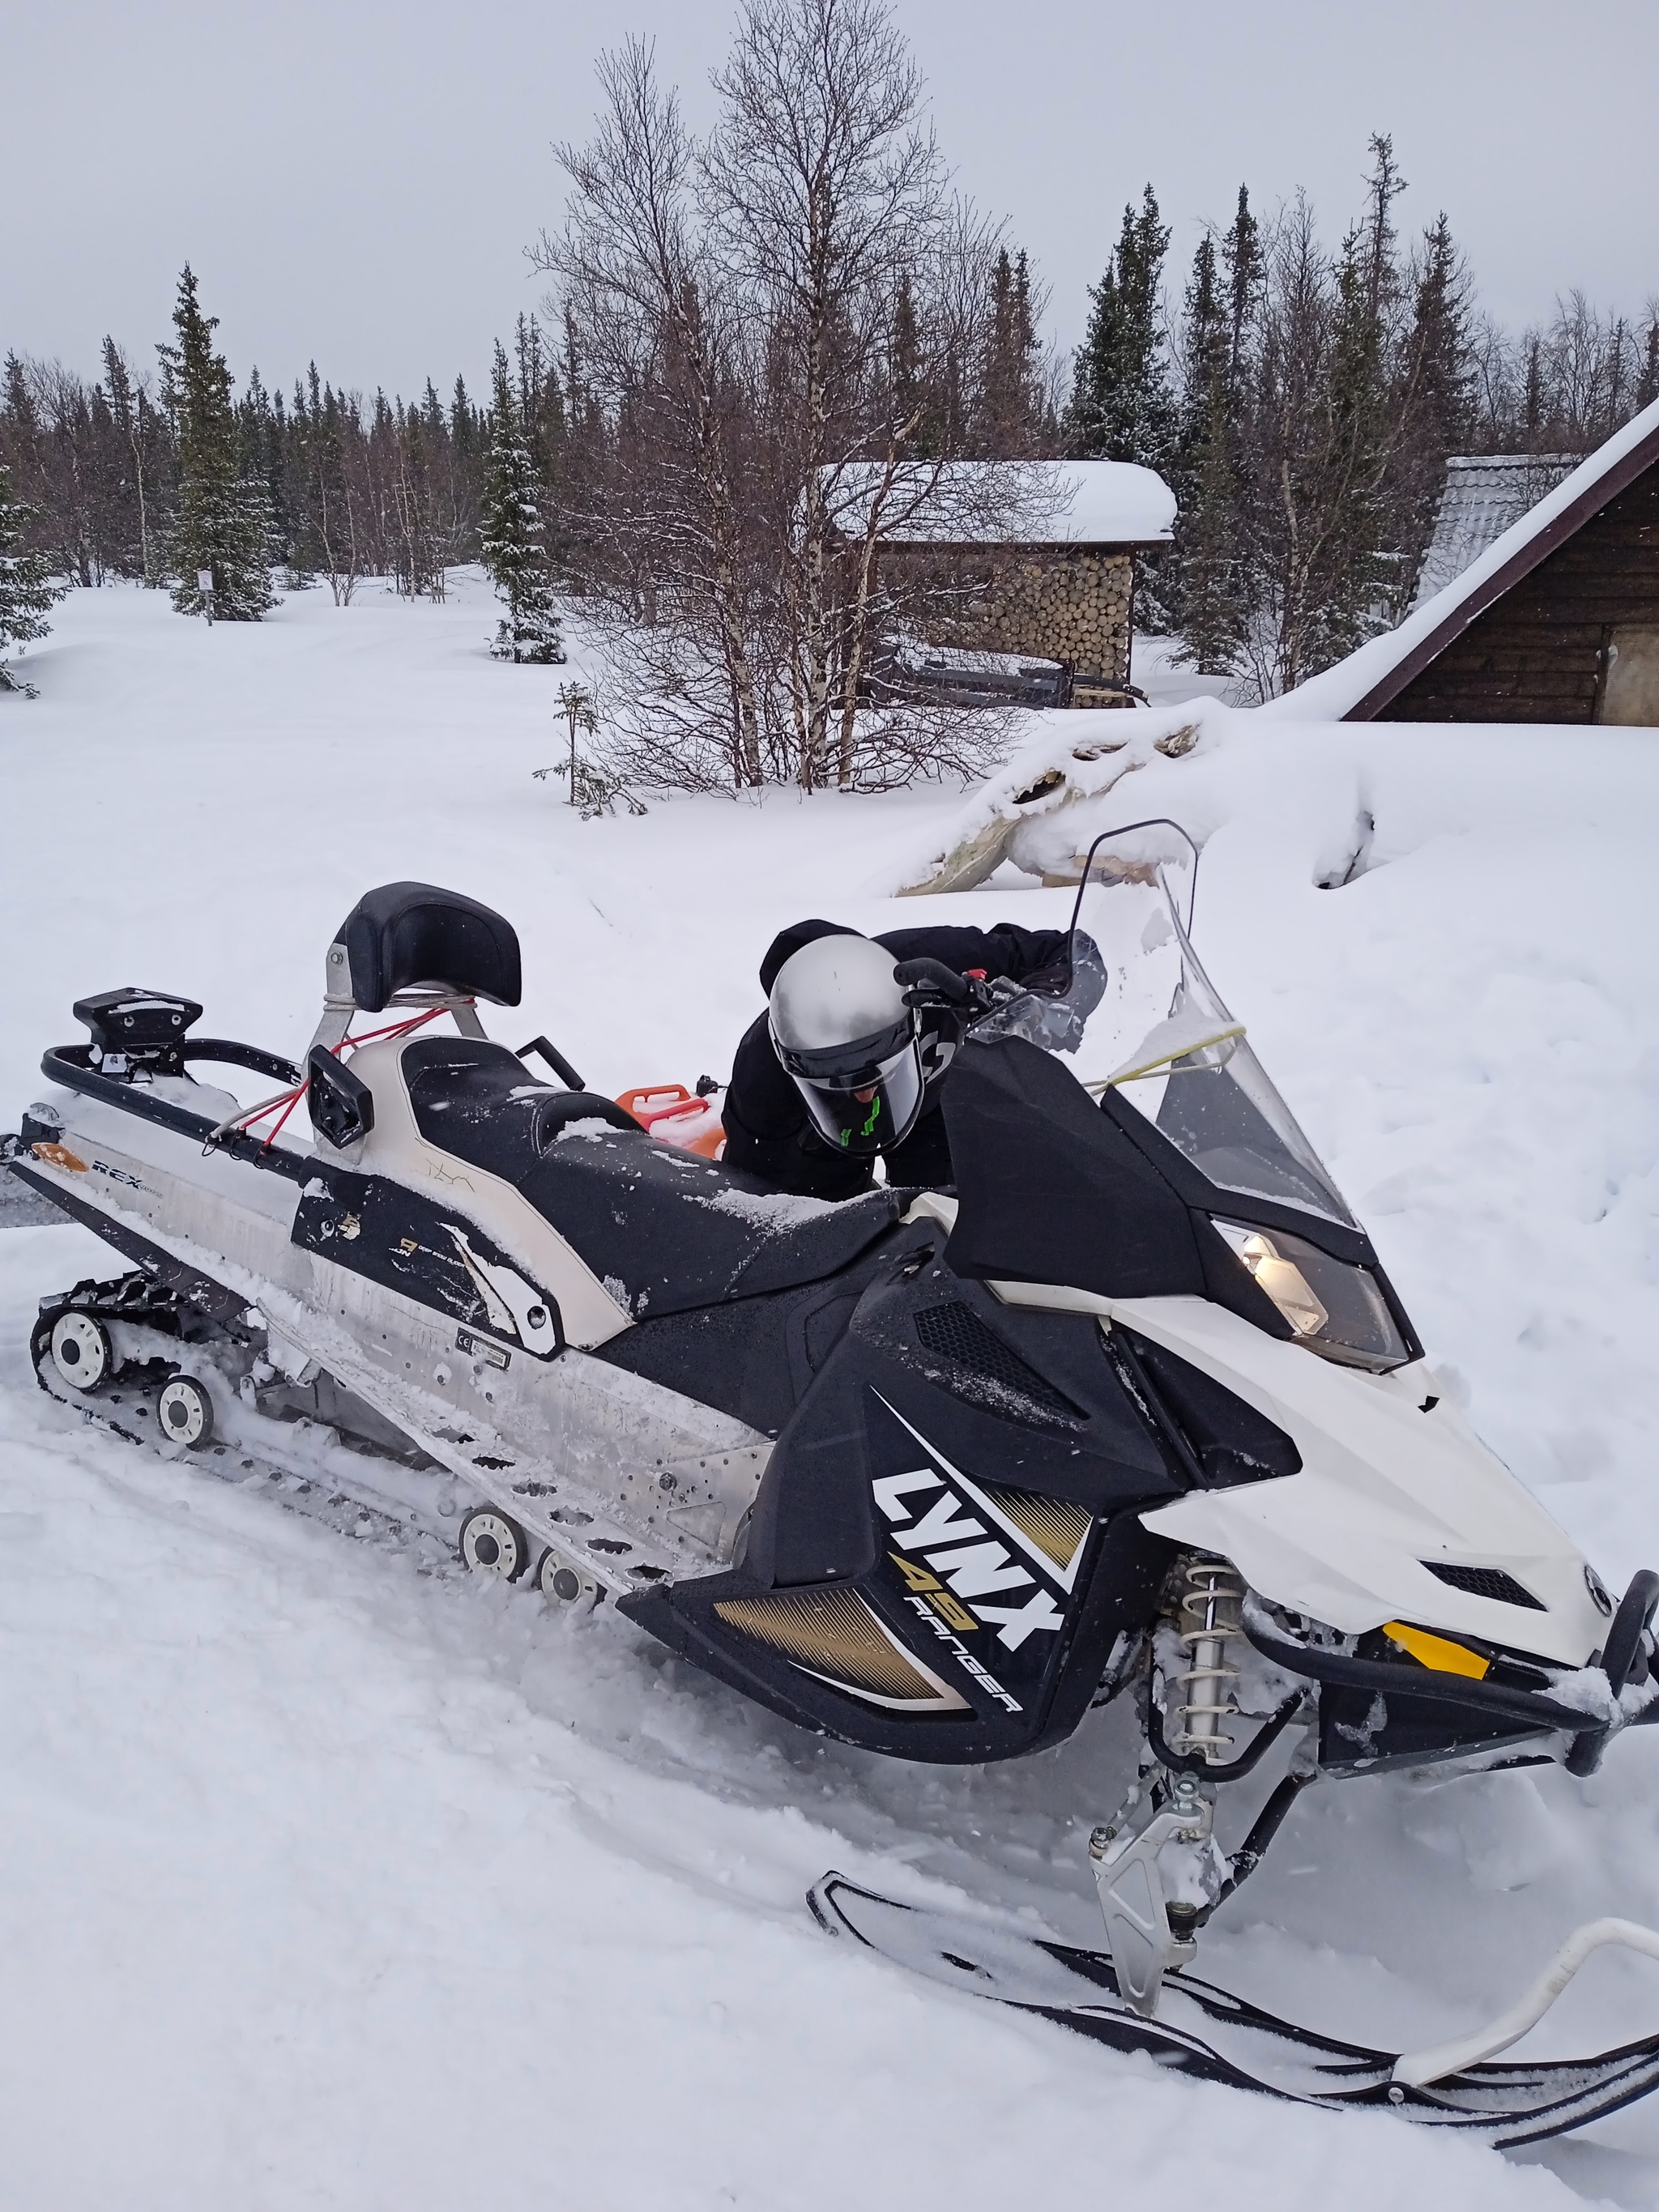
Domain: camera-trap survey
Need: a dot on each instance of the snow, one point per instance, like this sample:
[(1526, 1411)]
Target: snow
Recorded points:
[(774, 1209), (1074, 502), (1154, 670), (329, 1884), (1333, 693)]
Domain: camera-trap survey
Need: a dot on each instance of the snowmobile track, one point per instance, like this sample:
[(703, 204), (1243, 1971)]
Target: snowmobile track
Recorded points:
[(296, 1486)]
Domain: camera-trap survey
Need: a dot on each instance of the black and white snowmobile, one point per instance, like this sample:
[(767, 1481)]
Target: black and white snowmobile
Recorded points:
[(1134, 1413)]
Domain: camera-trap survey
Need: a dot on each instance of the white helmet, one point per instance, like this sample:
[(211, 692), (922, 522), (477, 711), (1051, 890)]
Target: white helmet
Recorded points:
[(840, 1027)]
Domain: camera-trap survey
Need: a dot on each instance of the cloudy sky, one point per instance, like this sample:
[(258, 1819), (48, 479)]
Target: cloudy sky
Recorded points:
[(355, 180)]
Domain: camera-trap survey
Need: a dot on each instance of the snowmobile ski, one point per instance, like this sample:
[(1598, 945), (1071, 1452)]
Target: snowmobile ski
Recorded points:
[(1206, 2032)]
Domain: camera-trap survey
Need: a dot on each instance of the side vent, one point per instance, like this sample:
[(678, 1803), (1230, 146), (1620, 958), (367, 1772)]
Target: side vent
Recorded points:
[(1486, 1582), (988, 1370)]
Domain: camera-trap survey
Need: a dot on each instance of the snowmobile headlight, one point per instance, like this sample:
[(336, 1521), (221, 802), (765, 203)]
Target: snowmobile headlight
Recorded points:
[(1336, 1309)]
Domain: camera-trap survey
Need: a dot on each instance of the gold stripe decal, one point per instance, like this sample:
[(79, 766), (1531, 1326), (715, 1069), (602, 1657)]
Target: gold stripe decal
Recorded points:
[(1056, 1527), (833, 1635)]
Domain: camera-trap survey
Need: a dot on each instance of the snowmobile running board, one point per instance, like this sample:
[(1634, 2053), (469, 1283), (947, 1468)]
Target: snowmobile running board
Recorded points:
[(1206, 2032)]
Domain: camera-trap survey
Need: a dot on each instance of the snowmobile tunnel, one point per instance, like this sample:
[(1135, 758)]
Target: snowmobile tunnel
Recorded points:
[(403, 934)]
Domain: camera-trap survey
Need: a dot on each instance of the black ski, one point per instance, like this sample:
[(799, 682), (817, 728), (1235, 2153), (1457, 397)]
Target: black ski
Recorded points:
[(1208, 2033)]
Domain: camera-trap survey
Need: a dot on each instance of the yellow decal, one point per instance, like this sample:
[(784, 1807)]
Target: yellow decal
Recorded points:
[(59, 1156), (953, 1609), (1435, 1652), (917, 1577), (948, 1608)]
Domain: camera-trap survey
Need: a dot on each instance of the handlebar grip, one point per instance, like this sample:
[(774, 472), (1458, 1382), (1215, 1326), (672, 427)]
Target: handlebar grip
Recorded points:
[(934, 978)]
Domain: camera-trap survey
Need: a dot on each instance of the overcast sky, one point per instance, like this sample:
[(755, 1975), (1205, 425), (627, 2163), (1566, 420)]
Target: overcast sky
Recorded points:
[(356, 180)]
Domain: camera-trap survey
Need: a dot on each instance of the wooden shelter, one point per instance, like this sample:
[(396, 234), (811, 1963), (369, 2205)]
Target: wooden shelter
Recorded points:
[(1059, 594)]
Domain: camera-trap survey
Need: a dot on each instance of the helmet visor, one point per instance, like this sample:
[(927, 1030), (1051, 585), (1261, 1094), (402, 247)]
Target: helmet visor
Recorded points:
[(869, 1110)]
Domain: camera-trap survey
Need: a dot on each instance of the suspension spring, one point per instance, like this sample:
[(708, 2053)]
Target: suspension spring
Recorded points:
[(1209, 1620)]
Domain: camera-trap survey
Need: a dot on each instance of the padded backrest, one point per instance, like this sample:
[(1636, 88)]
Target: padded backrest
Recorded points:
[(403, 934)]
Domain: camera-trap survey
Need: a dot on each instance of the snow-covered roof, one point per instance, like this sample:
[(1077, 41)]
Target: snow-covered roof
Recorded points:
[(1484, 494), (1011, 504), (1363, 685)]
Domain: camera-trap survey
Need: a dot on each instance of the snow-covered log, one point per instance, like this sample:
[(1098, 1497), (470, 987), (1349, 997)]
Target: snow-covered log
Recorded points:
[(1042, 809)]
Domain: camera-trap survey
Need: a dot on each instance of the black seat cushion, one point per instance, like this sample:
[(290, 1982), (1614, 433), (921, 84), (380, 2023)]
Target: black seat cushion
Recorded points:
[(665, 1231)]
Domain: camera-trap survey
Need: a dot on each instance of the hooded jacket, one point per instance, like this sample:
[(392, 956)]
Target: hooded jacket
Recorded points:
[(769, 1132)]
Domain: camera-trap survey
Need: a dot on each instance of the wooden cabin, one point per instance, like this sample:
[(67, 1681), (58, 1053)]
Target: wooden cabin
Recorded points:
[(1042, 609)]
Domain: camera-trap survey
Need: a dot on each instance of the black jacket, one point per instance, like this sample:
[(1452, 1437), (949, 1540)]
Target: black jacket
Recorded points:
[(769, 1132)]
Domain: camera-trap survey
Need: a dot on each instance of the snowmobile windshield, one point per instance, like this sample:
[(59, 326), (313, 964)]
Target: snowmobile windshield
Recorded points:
[(1141, 1017)]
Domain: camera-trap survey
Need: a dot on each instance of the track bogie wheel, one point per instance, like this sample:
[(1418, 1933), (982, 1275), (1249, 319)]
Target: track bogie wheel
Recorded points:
[(492, 1543), (79, 1350), (184, 1412), (558, 1579)]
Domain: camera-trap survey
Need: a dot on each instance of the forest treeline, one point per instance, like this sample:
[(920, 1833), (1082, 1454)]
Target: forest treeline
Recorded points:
[(1304, 402), (761, 351)]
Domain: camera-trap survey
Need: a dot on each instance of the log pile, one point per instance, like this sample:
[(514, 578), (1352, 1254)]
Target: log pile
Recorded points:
[(1074, 609)]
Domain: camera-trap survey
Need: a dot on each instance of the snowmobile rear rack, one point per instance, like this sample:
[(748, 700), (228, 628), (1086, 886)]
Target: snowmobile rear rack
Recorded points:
[(71, 1065)]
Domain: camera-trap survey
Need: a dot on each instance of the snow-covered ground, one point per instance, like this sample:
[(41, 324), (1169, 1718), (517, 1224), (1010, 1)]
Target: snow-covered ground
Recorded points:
[(1154, 670), (328, 1884)]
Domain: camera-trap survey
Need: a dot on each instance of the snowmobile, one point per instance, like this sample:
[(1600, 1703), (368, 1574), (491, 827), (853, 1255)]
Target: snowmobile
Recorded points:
[(1133, 1411)]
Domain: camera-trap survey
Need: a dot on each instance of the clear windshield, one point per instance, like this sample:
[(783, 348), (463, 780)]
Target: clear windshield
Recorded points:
[(1143, 1018)]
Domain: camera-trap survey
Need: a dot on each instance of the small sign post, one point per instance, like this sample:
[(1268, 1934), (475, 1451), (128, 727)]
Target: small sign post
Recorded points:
[(204, 586)]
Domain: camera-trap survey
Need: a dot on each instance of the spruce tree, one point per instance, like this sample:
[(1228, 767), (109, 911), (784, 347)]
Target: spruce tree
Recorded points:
[(1197, 584), (512, 547), (137, 429), (1122, 408), (1647, 383), (224, 522), (1245, 266), (1356, 519), (28, 587), (1434, 404), (1010, 398)]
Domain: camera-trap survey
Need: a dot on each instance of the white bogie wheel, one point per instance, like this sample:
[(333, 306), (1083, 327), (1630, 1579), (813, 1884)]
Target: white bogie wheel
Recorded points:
[(79, 1350), (557, 1578), (491, 1543), (184, 1412)]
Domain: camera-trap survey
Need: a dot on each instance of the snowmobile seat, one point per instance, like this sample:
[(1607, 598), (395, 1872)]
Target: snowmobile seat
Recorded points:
[(403, 934), (675, 1231)]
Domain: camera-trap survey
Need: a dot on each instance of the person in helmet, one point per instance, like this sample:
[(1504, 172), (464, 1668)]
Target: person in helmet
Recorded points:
[(844, 1065)]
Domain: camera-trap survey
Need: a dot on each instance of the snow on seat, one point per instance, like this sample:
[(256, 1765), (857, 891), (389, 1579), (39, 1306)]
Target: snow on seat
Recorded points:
[(675, 1232)]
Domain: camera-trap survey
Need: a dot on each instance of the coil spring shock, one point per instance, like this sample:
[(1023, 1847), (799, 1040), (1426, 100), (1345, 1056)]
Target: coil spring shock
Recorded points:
[(1209, 1609)]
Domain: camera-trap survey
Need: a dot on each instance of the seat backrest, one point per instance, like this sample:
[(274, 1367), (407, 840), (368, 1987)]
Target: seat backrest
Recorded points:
[(403, 934)]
